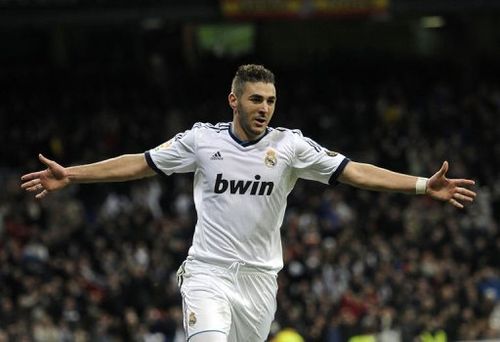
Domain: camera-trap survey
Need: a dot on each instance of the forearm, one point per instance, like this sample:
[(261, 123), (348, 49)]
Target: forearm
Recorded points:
[(123, 168), (371, 177)]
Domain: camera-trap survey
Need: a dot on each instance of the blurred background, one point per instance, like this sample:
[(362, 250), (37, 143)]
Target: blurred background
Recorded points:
[(404, 84)]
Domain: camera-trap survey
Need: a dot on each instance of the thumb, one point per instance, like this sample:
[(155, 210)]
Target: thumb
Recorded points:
[(44, 160), (443, 170)]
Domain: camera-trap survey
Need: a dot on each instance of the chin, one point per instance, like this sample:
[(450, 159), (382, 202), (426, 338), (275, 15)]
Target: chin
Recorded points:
[(259, 131)]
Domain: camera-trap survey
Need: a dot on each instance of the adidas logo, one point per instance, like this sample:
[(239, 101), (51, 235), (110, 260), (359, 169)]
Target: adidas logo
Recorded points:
[(216, 156)]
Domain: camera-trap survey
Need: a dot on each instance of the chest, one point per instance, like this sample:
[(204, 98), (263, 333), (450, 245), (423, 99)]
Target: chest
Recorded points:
[(253, 170)]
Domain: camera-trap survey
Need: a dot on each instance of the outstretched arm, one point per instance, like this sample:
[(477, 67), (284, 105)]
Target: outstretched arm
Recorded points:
[(367, 176), (54, 177)]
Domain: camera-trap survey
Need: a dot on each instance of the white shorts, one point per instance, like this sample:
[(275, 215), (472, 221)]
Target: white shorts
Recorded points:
[(237, 301)]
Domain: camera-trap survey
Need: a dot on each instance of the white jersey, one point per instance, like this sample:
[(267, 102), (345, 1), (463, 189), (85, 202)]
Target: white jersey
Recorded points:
[(241, 188)]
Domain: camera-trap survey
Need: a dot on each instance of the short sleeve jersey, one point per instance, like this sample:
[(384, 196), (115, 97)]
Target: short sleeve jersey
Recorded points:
[(240, 188)]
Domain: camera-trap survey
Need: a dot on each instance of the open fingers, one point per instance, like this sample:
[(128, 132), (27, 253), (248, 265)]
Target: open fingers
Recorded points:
[(466, 192), (31, 176), (463, 182), (29, 184), (456, 203), (461, 197), (36, 187), (41, 194)]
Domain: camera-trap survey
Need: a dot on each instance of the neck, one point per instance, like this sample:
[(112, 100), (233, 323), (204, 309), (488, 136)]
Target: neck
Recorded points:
[(242, 135)]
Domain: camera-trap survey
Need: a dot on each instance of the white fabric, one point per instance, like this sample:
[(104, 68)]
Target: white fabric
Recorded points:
[(209, 336), (240, 189), (421, 186), (238, 301)]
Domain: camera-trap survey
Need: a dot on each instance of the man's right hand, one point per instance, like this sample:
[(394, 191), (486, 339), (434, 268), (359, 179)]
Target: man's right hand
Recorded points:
[(53, 178)]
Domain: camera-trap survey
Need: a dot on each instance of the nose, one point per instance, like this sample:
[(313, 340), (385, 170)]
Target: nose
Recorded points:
[(264, 109)]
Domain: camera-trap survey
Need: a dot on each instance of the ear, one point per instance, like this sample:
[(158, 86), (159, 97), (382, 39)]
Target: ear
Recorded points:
[(233, 101)]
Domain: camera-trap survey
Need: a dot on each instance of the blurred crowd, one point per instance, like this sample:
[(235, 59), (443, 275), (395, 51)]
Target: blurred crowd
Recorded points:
[(97, 262)]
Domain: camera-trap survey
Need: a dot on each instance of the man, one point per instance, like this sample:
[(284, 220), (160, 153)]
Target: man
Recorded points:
[(243, 173)]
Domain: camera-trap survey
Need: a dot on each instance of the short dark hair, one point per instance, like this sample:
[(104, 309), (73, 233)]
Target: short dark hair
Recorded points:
[(250, 73)]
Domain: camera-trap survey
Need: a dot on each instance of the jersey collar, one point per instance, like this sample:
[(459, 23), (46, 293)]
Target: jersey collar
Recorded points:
[(248, 142)]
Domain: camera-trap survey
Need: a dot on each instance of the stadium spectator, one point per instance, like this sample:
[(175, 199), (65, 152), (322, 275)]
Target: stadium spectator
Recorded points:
[(406, 256)]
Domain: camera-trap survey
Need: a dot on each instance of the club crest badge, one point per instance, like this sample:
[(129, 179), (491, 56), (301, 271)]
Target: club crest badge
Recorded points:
[(270, 160), (164, 145), (331, 153), (192, 319)]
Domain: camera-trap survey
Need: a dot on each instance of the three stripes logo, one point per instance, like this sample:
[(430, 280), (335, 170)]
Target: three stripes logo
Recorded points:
[(216, 156)]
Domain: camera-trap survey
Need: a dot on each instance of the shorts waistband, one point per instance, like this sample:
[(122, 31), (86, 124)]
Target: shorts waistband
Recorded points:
[(234, 266)]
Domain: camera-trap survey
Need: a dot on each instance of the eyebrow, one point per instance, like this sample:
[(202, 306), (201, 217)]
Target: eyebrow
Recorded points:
[(261, 96)]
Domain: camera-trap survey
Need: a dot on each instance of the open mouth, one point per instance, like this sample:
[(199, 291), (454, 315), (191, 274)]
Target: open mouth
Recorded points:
[(260, 121)]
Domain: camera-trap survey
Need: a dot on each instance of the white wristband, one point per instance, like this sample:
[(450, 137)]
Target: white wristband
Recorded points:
[(421, 185)]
